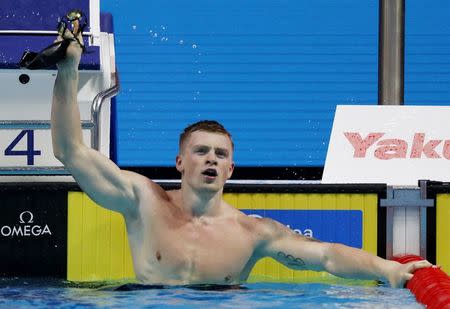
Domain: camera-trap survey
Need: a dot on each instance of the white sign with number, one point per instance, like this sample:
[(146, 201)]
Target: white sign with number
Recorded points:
[(28, 148)]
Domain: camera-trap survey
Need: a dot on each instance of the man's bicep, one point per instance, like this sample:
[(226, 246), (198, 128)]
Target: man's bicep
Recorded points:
[(291, 249), (103, 180)]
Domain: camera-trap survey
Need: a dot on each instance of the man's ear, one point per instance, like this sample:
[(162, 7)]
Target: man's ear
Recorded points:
[(179, 163), (230, 170)]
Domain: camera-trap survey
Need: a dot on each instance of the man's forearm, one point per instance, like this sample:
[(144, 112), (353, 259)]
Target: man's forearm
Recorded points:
[(348, 262), (65, 117)]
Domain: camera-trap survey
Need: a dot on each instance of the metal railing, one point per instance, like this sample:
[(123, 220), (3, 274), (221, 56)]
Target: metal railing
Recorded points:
[(93, 125)]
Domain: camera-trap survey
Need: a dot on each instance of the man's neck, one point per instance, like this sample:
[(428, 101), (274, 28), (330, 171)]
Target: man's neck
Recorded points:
[(197, 204)]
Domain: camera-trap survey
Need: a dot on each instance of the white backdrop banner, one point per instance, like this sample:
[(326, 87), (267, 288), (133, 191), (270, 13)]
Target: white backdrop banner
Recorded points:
[(397, 145)]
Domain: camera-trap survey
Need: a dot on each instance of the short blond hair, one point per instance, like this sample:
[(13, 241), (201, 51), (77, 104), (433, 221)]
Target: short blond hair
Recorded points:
[(206, 126)]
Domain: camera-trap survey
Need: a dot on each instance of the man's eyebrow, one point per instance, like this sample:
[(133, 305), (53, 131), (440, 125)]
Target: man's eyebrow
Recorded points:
[(222, 149), (196, 147), (200, 146)]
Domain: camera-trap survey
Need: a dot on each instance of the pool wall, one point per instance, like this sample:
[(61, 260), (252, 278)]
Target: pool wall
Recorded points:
[(54, 229), (438, 223), (98, 247)]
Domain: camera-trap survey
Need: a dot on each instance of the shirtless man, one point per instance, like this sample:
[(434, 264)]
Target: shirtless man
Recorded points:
[(191, 235)]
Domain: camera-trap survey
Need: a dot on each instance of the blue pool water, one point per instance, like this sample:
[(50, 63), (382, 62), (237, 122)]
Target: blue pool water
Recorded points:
[(33, 293)]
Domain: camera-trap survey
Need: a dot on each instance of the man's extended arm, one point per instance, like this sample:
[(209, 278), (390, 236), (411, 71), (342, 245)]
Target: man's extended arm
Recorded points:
[(99, 177), (299, 252)]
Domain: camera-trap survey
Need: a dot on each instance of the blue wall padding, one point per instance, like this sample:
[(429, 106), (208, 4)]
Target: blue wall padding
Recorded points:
[(13, 46), (106, 22), (37, 14), (271, 71)]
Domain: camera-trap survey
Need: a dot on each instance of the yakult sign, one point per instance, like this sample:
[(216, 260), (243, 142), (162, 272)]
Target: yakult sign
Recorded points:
[(397, 145)]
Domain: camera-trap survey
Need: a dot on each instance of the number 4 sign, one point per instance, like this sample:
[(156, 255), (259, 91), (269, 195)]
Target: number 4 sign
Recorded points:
[(30, 152)]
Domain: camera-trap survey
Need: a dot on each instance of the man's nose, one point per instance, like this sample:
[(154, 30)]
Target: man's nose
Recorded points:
[(211, 158)]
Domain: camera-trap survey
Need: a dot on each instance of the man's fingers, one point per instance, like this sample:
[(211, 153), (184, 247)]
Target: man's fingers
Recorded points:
[(413, 266), (58, 39), (66, 35)]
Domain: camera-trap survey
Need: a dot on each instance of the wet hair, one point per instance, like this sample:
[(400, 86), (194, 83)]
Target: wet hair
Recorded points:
[(206, 126)]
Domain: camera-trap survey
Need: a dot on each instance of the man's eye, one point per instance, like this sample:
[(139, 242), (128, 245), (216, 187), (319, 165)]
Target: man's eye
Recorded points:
[(221, 154)]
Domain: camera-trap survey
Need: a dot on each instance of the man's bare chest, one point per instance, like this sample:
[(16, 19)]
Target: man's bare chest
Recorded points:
[(198, 251)]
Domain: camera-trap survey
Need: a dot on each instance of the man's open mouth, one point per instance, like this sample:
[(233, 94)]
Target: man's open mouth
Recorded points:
[(210, 172)]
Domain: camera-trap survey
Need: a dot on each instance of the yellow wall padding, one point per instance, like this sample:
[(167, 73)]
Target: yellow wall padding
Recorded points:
[(269, 270), (98, 247), (443, 231), (97, 243)]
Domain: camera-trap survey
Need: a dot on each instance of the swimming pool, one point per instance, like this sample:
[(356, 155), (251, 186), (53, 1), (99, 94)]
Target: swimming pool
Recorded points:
[(45, 293)]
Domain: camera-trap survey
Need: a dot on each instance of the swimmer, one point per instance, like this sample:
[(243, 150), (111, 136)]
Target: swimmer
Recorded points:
[(191, 235)]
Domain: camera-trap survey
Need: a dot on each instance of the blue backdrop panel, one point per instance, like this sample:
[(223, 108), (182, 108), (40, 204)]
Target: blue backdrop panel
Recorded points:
[(37, 14), (427, 50), (13, 46), (341, 226), (271, 71)]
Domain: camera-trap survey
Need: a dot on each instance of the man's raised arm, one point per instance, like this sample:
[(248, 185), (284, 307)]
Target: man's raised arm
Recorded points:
[(98, 176), (303, 253)]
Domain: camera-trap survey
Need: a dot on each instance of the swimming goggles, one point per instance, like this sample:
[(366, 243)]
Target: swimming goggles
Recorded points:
[(74, 22)]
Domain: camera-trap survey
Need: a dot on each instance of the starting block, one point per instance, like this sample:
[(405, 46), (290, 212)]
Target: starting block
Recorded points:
[(25, 141)]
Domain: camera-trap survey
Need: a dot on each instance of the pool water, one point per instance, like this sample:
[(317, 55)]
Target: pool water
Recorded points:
[(40, 293)]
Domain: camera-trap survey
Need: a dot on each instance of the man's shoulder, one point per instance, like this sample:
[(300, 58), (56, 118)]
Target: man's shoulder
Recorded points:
[(262, 228), (144, 186)]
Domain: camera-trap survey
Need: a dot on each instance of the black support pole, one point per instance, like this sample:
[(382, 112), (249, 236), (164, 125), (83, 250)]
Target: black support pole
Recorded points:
[(391, 52)]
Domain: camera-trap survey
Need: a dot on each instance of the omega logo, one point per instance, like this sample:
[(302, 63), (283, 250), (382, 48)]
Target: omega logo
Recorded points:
[(21, 216), (25, 227)]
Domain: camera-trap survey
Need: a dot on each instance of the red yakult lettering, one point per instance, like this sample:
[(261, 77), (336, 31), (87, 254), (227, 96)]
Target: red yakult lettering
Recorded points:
[(427, 149), (446, 151), (361, 145), (396, 148), (391, 148)]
